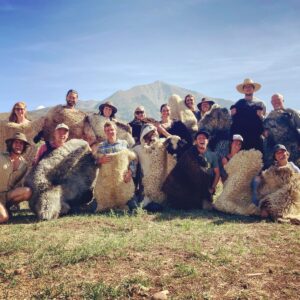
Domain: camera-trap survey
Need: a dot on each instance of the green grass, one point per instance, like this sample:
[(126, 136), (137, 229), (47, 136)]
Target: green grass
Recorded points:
[(193, 255)]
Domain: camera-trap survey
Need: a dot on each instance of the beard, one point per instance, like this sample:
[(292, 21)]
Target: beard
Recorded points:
[(17, 151), (71, 103)]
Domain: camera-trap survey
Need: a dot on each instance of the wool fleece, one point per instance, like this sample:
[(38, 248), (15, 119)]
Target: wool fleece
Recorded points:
[(279, 193), (62, 180), (111, 192), (236, 195)]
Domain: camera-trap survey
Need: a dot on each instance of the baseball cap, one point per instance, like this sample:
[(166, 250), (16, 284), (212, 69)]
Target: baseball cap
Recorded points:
[(237, 137), (62, 125), (279, 147)]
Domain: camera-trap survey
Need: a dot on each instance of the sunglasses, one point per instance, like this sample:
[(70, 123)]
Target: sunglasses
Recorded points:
[(19, 108), (139, 112)]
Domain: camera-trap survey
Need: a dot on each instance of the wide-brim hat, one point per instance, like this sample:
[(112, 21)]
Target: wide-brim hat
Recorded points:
[(205, 100), (240, 87), (109, 104), (18, 136)]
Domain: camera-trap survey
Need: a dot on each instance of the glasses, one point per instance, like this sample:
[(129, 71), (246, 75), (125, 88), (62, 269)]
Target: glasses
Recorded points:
[(19, 108), (139, 112)]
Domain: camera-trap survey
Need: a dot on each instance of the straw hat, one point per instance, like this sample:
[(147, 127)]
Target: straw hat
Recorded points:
[(240, 86), (109, 104)]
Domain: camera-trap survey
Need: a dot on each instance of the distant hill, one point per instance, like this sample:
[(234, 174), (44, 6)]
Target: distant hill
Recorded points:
[(151, 96)]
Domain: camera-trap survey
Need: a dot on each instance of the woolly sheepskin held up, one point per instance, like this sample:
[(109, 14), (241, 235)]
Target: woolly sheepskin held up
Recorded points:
[(111, 192), (61, 180), (123, 130), (281, 130), (279, 193), (75, 119), (217, 122), (30, 129), (236, 195), (181, 112), (156, 164)]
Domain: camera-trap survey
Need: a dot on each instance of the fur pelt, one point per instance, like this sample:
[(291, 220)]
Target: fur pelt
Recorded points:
[(181, 112), (156, 164), (75, 119), (187, 184), (281, 130), (62, 179), (30, 129), (217, 122), (236, 195), (279, 193), (123, 130), (111, 192)]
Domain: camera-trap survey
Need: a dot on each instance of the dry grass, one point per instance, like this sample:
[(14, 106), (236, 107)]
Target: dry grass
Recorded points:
[(195, 255)]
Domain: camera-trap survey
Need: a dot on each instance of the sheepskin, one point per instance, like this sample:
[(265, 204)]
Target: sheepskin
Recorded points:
[(156, 164), (279, 193), (111, 192), (123, 130), (217, 122), (30, 129), (75, 119), (61, 180), (281, 129), (180, 111), (236, 195)]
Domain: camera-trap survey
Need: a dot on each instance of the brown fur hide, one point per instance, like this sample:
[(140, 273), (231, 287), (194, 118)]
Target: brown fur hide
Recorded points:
[(75, 119)]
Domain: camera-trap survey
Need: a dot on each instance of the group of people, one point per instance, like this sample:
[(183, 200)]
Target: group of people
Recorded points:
[(192, 180)]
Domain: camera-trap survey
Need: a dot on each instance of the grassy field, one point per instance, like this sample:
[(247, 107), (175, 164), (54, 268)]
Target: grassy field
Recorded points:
[(195, 255)]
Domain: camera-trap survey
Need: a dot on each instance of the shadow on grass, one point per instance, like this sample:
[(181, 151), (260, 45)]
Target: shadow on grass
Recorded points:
[(24, 216), (216, 217)]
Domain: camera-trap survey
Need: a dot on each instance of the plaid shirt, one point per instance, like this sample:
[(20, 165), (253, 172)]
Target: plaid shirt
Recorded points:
[(107, 148)]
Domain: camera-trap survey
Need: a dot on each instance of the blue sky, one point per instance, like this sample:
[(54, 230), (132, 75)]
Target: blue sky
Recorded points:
[(98, 47)]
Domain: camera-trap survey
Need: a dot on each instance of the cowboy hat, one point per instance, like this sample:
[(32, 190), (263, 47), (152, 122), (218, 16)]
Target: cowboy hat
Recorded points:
[(18, 136), (109, 104), (240, 87), (205, 100)]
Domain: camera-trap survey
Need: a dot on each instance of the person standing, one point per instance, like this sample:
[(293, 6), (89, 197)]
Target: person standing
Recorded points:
[(248, 119), (138, 122)]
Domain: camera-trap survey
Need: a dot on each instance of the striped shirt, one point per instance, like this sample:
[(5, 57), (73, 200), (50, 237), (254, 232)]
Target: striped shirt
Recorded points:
[(119, 145)]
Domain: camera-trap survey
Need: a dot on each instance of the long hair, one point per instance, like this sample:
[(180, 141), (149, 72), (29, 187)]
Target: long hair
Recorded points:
[(9, 147), (13, 116)]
